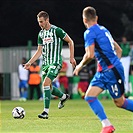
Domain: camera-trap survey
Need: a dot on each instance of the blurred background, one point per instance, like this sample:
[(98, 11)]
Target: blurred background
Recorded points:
[(18, 21), (19, 30)]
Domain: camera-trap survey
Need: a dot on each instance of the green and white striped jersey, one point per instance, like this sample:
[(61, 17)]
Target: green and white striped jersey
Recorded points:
[(52, 41)]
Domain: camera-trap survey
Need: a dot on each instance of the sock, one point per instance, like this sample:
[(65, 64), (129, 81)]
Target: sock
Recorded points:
[(128, 105), (63, 97), (56, 92), (46, 110), (105, 123), (47, 97), (96, 107)]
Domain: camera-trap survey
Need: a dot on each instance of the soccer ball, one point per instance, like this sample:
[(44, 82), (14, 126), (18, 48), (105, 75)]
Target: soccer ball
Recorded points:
[(18, 113)]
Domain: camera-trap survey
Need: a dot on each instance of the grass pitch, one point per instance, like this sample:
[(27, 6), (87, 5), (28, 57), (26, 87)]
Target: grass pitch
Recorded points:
[(75, 117)]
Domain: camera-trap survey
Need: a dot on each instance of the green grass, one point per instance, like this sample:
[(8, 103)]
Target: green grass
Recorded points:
[(75, 117)]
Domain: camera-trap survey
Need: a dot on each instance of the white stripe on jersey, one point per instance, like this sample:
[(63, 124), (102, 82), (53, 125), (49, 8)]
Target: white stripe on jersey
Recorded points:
[(47, 53), (51, 56), (59, 51), (55, 50)]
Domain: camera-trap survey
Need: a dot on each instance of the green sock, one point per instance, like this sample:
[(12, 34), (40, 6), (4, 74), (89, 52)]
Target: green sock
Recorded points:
[(56, 92), (47, 96)]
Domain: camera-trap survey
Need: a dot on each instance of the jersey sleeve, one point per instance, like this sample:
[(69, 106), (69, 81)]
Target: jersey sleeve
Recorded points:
[(60, 33), (39, 41), (89, 37)]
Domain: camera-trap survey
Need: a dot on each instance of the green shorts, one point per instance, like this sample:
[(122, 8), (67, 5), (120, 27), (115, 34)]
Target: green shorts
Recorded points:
[(51, 71)]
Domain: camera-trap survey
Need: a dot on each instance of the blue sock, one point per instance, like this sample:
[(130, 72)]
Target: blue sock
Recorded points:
[(128, 105), (96, 107)]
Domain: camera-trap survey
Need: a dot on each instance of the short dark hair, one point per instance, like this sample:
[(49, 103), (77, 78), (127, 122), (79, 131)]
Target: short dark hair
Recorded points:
[(43, 14), (89, 13)]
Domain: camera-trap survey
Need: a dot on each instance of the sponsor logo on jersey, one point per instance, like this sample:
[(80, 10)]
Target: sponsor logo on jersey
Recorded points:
[(47, 40)]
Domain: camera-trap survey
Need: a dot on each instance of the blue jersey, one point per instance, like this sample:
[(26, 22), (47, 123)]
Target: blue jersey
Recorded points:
[(104, 46)]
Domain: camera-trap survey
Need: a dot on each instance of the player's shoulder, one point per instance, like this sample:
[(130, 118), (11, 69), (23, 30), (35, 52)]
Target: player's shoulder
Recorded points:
[(41, 32), (97, 27), (54, 26), (89, 32), (91, 29), (59, 31), (103, 28), (57, 28)]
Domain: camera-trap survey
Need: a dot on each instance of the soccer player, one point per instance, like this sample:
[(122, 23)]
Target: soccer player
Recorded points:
[(50, 41), (109, 75)]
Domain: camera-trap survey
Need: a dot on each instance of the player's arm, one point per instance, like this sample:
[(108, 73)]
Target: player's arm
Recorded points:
[(118, 49), (89, 37), (34, 57), (88, 56), (71, 47), (64, 36)]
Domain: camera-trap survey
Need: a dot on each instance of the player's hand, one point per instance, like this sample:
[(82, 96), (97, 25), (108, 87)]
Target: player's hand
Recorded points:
[(73, 62), (27, 65), (77, 69)]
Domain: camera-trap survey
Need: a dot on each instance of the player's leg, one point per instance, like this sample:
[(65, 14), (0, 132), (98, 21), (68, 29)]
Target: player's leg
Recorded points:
[(91, 97), (47, 98), (95, 105), (124, 103), (117, 90), (52, 74), (55, 90), (63, 97)]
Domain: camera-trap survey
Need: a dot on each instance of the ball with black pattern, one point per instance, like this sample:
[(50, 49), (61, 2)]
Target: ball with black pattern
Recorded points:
[(18, 113)]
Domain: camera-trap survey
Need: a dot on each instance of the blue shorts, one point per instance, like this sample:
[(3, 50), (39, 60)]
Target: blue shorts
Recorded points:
[(23, 84), (111, 79)]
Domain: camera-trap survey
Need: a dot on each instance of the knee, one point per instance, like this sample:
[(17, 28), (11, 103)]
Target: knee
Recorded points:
[(118, 104), (90, 99), (47, 82)]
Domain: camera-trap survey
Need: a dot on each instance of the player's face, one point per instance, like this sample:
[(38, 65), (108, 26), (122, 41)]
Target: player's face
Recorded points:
[(42, 22)]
